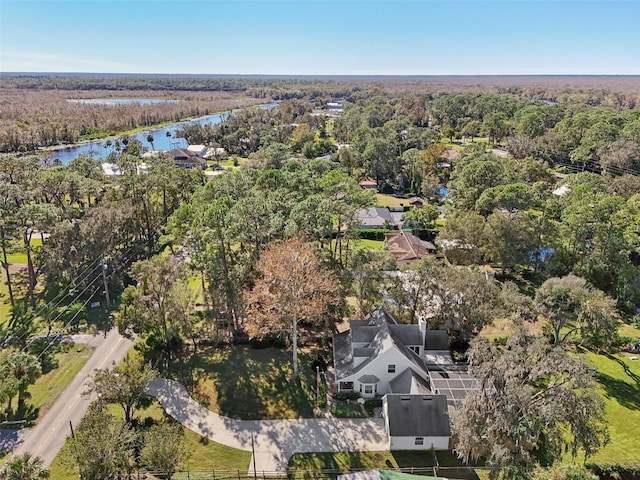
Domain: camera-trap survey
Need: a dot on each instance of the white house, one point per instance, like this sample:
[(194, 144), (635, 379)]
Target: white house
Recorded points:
[(411, 369), (376, 350), (416, 422)]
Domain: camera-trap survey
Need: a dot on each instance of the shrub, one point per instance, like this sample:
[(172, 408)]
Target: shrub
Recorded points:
[(615, 471)]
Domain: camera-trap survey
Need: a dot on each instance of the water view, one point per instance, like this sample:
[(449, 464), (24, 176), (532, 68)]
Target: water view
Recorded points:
[(163, 139)]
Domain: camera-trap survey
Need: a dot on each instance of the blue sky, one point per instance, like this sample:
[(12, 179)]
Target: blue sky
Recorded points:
[(331, 37)]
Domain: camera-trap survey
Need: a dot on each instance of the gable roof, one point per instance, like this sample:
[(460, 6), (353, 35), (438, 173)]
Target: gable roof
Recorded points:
[(417, 415), (410, 382), (374, 216), (382, 332), (406, 246)]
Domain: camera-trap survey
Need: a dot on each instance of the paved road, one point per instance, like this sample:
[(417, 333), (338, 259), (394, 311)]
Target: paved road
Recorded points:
[(48, 436), (275, 440)]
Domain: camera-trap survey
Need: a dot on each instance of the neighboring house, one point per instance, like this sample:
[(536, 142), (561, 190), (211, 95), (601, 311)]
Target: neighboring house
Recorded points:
[(406, 247), (368, 184), (185, 158), (110, 169), (411, 368), (416, 202), (198, 150), (375, 217), (417, 422)]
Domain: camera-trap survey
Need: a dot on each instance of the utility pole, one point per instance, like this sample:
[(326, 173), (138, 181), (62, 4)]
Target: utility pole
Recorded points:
[(106, 286), (253, 454)]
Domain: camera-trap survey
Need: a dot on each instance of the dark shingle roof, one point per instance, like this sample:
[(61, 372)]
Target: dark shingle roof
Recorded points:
[(406, 334), (418, 416), (436, 340)]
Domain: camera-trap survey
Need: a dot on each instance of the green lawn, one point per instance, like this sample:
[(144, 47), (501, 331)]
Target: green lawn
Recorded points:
[(249, 383), (383, 200), (368, 244), (60, 369), (5, 304), (49, 386), (307, 464), (618, 380), (203, 454), (21, 257)]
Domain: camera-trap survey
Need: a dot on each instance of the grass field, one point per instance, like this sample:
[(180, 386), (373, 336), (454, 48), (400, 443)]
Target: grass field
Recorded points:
[(249, 383)]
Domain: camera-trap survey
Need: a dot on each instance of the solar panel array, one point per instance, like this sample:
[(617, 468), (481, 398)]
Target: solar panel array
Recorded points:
[(454, 384)]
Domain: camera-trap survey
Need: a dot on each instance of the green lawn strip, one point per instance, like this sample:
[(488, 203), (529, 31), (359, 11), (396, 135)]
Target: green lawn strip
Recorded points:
[(618, 380), (49, 386), (249, 383), (306, 465)]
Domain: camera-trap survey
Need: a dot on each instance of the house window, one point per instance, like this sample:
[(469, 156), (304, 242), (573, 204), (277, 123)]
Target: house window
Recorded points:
[(368, 389), (415, 350), (419, 440), (346, 385), (391, 369)]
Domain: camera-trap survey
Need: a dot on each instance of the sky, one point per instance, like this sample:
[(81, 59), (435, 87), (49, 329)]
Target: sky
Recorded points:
[(330, 37)]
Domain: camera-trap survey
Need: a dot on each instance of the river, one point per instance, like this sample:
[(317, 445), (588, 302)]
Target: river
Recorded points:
[(164, 138)]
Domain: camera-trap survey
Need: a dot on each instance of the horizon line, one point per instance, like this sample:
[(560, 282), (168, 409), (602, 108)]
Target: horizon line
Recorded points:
[(318, 75)]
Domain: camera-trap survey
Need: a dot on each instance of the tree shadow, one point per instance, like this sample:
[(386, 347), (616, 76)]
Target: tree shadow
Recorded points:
[(248, 383), (624, 393)]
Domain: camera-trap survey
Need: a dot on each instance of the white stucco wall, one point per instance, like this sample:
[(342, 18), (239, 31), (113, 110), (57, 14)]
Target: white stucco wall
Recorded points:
[(409, 443)]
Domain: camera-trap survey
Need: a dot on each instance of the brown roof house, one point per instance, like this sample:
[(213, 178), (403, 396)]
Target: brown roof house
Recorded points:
[(368, 184), (406, 247), (183, 157)]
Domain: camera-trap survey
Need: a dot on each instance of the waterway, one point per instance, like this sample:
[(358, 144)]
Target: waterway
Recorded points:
[(164, 138)]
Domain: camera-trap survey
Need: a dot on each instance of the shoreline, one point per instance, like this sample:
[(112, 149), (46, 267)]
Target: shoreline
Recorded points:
[(146, 129)]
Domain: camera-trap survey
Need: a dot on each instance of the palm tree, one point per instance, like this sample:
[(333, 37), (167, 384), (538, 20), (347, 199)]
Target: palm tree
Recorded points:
[(150, 140), (24, 467)]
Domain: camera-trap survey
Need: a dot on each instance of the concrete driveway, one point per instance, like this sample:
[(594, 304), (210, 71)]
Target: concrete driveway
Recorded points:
[(275, 440)]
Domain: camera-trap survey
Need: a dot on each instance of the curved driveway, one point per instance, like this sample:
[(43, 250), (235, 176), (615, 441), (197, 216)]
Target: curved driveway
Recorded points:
[(275, 440)]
